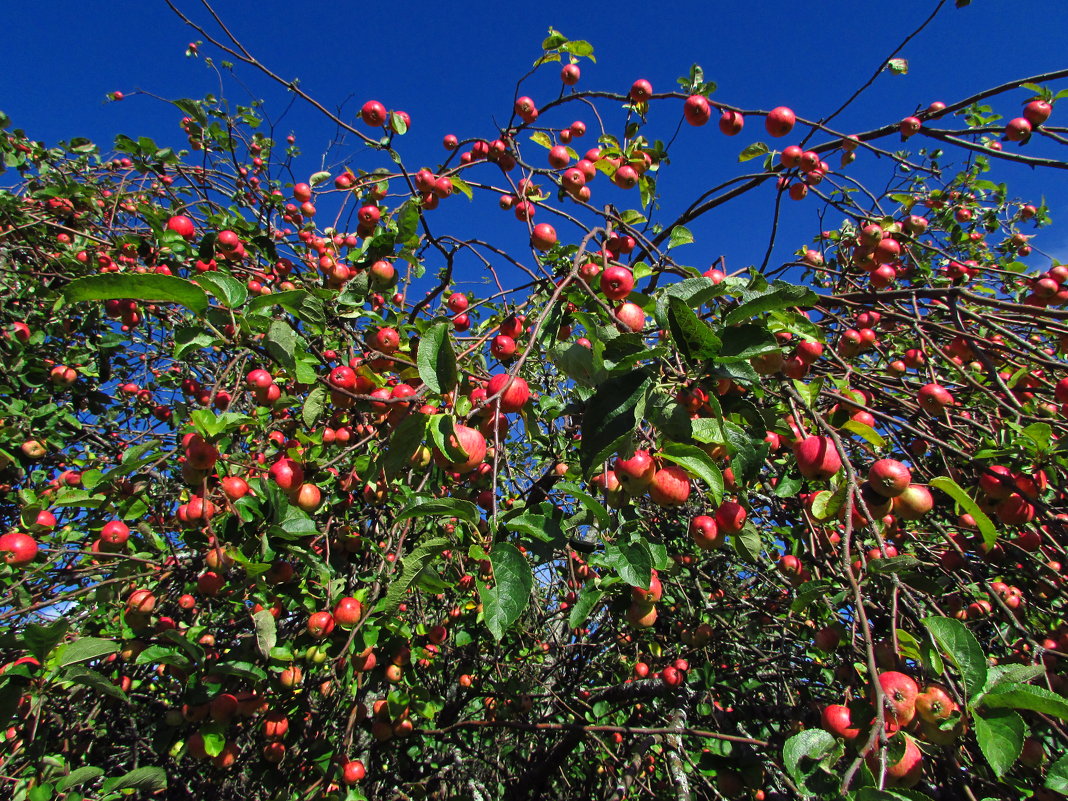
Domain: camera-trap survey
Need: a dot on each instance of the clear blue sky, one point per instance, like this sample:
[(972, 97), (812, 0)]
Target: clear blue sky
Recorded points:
[(453, 67)]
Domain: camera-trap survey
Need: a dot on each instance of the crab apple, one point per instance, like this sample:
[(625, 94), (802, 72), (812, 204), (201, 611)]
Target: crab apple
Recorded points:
[(308, 497), (889, 477), (914, 502), (348, 612), (502, 347), (18, 549), (697, 110), (181, 225), (705, 534), (933, 398), (1018, 130), (200, 454), (62, 376), (837, 720), (115, 532), (457, 302), (259, 379), (909, 127), (543, 237), (468, 440), (636, 473), (631, 315), (386, 340), (780, 121), (287, 474), (526, 109), (670, 486), (730, 517), (617, 282), (651, 595), (320, 624), (353, 771), (342, 377), (373, 114), (641, 616), (513, 326), (731, 122), (514, 392), (1037, 111), (570, 74), (626, 177), (828, 638), (934, 704), (641, 91), (817, 458), (900, 691)]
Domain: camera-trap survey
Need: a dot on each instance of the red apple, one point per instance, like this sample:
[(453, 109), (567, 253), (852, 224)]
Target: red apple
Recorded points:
[(780, 121), (617, 282), (514, 392), (670, 486), (817, 458)]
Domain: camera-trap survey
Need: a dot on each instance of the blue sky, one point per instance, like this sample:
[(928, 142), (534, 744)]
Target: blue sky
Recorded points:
[(453, 68)]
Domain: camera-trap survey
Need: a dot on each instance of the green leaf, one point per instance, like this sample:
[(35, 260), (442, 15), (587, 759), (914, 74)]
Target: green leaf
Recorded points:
[(78, 777), (406, 439), (436, 359), (747, 543), (865, 432), (281, 343), (753, 151), (40, 640), (513, 580), (76, 674), (585, 603), (408, 220), (893, 564), (1000, 736), (696, 341), (578, 363), (827, 503), (299, 302), (541, 138), (1024, 696), (461, 186), (266, 631), (230, 292), (1057, 776), (695, 291), (414, 563), (611, 416), (963, 649), (188, 338), (86, 649), (954, 490), (873, 794), (779, 295), (680, 235), (810, 744), (145, 779), (147, 287), (898, 66), (743, 342), (313, 405), (632, 561), (1003, 674), (421, 506), (697, 463)]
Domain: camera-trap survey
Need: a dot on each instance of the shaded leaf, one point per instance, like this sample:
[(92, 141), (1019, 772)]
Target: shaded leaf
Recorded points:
[(147, 287), (436, 359), (963, 649), (513, 580)]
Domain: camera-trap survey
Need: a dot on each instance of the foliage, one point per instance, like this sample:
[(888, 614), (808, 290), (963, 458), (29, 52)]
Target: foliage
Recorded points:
[(279, 501)]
